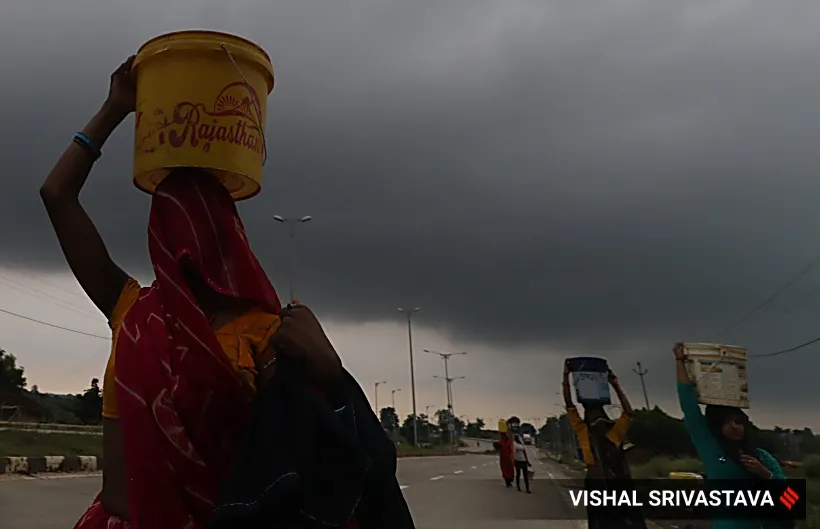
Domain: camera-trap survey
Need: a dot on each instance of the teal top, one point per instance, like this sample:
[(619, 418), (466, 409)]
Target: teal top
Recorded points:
[(717, 465)]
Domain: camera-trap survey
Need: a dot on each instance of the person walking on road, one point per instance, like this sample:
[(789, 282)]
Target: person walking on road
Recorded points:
[(721, 437), (522, 464), (189, 352), (506, 460), (601, 441)]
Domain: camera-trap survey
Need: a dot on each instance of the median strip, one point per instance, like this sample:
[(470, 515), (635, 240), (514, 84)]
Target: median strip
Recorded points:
[(42, 464)]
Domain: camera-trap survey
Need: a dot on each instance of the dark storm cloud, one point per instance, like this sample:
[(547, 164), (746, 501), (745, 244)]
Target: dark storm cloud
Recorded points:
[(527, 172)]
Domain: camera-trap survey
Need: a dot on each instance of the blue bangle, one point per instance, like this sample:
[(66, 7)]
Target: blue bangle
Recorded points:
[(82, 139)]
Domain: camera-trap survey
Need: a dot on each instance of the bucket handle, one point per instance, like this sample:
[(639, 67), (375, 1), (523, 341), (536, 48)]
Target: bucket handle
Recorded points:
[(259, 123)]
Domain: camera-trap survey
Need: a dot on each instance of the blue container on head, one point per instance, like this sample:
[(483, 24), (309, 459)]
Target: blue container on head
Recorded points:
[(591, 381)]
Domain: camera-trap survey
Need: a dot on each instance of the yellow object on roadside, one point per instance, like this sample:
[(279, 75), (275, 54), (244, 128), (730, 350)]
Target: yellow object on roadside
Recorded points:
[(684, 475)]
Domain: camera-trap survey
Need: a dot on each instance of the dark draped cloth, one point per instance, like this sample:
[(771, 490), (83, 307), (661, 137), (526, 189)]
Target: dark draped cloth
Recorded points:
[(610, 466), (312, 461)]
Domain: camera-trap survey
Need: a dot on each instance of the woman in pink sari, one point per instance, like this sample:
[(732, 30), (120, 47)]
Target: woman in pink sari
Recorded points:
[(190, 350), (505, 457)]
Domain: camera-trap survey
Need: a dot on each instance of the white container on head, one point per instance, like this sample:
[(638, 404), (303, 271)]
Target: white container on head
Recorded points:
[(590, 376), (718, 372)]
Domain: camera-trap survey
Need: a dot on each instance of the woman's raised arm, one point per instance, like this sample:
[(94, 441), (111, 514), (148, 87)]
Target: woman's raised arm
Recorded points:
[(80, 241), (566, 387)]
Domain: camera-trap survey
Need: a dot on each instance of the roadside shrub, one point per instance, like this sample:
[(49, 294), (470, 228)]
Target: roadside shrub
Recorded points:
[(811, 465)]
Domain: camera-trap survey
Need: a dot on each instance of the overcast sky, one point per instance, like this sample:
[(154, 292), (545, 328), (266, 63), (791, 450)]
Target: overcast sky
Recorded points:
[(543, 178)]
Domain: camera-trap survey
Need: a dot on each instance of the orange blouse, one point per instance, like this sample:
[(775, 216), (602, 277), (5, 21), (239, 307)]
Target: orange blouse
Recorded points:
[(241, 340)]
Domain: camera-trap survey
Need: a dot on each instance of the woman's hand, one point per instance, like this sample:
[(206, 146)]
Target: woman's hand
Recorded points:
[(754, 466), (613, 379), (678, 351), (122, 94), (567, 392), (301, 336)]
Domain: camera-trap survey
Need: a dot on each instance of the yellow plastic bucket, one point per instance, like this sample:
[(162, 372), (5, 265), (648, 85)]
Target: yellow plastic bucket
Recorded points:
[(199, 105)]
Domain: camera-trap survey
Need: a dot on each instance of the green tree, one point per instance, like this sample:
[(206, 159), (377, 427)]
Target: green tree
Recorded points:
[(432, 432), (406, 429), (389, 419), (89, 404), (443, 419), (473, 429), (659, 433), (11, 376)]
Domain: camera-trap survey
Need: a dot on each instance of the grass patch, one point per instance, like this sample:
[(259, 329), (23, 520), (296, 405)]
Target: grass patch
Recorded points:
[(660, 467), (812, 505), (807, 472), (811, 466), (30, 443), (410, 451)]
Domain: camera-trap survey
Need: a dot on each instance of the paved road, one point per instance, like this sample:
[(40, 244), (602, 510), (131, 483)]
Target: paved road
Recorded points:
[(443, 493)]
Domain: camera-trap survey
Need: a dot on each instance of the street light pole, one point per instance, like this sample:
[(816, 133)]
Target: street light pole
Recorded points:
[(450, 382), (409, 314), (398, 423), (449, 385), (446, 358), (641, 372), (291, 223), (377, 395)]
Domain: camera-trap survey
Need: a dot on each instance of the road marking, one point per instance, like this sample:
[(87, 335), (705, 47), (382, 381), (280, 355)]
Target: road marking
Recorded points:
[(436, 478), (458, 472), (404, 487), (473, 468), (550, 474)]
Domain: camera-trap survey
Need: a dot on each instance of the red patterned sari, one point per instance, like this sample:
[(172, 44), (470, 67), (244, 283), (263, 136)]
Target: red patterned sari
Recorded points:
[(183, 406)]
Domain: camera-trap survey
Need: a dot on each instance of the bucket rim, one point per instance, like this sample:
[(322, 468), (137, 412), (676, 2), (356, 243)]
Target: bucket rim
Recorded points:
[(250, 47), (205, 32), (257, 187), (713, 345), (583, 360)]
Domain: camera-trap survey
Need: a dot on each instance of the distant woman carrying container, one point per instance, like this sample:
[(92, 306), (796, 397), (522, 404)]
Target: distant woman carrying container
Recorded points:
[(601, 441), (721, 438), (187, 353), (506, 458)]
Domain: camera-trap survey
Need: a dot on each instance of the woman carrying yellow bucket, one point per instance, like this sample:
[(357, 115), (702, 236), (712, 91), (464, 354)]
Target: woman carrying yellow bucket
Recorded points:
[(190, 351)]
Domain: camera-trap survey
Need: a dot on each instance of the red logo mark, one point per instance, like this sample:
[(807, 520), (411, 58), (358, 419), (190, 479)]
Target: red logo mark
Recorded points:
[(789, 498), (233, 118)]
